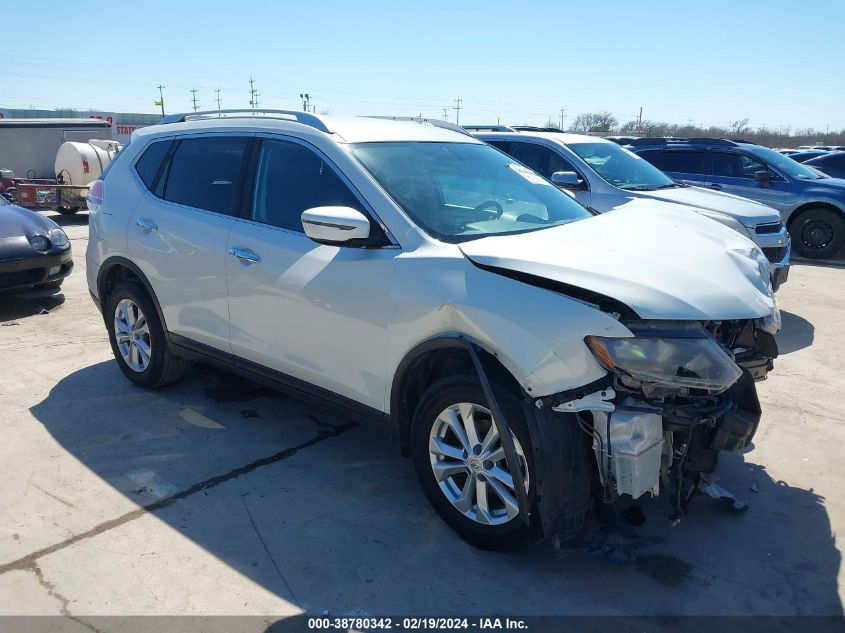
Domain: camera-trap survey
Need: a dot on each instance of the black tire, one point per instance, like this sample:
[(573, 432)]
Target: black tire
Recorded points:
[(163, 368), (68, 210), (50, 285), (436, 399), (818, 233)]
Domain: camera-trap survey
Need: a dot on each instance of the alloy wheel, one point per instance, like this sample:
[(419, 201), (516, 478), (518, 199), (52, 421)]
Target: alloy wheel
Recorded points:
[(132, 334), (469, 464)]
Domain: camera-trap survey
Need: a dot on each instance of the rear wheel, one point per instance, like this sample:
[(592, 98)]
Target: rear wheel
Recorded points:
[(137, 338), (818, 233), (68, 210), (461, 464)]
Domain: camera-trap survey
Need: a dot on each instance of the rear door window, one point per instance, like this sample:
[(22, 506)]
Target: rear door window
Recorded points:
[(204, 173)]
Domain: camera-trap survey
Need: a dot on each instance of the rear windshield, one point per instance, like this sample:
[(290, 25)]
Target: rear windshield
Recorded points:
[(462, 191)]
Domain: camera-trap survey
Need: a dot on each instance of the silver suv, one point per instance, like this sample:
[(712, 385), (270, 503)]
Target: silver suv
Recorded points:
[(526, 351), (605, 176)]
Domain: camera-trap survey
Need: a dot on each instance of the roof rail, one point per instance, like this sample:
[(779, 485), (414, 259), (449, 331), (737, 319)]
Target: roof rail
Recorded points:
[(534, 128), (712, 141), (656, 140), (666, 140), (312, 120), (435, 122), (488, 128)]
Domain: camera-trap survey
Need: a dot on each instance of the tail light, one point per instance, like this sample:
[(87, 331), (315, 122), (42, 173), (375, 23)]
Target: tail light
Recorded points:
[(95, 195)]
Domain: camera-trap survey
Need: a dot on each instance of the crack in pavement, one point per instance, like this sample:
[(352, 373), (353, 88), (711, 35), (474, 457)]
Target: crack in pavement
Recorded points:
[(51, 590), (269, 555), (29, 561)]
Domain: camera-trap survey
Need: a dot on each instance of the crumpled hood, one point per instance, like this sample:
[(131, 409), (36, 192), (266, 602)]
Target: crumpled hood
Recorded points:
[(749, 212), (662, 261)]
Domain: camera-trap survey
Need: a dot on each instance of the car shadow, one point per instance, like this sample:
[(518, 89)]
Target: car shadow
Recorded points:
[(80, 218), (17, 304), (325, 514), (796, 333)]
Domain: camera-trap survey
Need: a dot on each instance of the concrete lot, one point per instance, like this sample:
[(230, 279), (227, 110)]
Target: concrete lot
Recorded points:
[(268, 506)]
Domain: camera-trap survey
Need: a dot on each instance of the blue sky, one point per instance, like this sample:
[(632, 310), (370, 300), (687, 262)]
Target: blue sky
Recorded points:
[(776, 62)]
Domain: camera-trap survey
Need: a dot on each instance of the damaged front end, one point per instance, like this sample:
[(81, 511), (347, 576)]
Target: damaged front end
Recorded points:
[(677, 393)]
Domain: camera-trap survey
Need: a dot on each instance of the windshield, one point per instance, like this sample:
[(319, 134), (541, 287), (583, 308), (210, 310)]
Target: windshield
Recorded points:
[(461, 191), (787, 165), (622, 168)]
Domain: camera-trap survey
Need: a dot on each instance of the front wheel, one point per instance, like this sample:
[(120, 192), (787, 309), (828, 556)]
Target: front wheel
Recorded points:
[(461, 465), (818, 233)]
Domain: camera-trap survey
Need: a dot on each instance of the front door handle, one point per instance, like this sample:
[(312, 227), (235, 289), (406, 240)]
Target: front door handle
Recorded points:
[(245, 257), (147, 225), (715, 186)]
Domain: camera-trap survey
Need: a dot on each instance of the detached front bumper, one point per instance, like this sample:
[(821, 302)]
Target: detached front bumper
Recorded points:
[(779, 275), (36, 270)]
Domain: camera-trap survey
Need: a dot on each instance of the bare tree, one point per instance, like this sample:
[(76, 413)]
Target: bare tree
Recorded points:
[(594, 122), (739, 127)]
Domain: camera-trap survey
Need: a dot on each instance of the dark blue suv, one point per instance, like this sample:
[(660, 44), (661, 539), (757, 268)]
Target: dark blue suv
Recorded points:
[(811, 204)]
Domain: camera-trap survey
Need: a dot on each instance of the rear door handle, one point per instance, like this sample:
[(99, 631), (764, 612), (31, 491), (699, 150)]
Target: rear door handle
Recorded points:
[(147, 225), (245, 257), (715, 186)]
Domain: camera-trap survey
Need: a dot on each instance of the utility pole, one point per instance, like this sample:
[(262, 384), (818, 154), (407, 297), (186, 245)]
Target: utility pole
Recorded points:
[(194, 98), (458, 111), (161, 98), (253, 94), (562, 117), (640, 120), (306, 101), (445, 113), (218, 99)]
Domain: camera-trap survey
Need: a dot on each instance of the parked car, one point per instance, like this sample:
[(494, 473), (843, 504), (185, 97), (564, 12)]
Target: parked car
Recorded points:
[(604, 176), (811, 205), (34, 251), (802, 156), (831, 164), (415, 275)]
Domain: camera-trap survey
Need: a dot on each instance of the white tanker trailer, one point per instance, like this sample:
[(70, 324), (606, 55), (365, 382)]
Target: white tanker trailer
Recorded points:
[(25, 177)]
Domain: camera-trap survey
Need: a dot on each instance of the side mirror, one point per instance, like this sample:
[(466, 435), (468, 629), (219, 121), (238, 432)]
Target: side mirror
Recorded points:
[(568, 180), (764, 177), (335, 225)]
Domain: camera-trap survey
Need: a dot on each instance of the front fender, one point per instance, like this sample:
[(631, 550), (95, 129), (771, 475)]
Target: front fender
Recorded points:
[(536, 334)]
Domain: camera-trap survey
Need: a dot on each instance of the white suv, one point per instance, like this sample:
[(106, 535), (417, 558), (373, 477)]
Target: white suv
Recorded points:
[(415, 275)]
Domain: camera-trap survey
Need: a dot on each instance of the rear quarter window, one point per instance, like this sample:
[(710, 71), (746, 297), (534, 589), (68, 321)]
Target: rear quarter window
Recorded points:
[(147, 166)]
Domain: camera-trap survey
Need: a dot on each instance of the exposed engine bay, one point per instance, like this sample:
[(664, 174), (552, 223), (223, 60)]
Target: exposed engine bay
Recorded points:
[(677, 394)]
